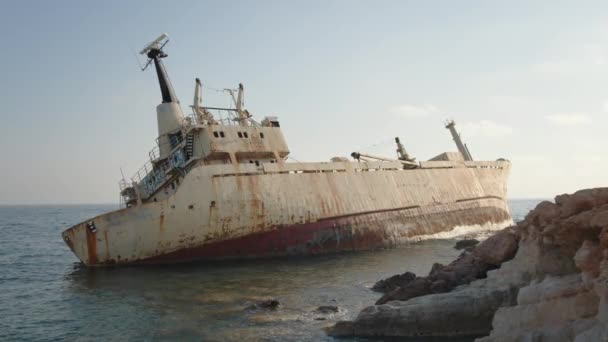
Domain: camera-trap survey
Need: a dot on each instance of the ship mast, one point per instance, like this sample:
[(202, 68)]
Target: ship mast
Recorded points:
[(243, 115), (464, 150), (168, 114)]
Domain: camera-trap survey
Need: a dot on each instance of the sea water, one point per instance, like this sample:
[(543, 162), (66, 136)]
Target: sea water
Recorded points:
[(46, 295)]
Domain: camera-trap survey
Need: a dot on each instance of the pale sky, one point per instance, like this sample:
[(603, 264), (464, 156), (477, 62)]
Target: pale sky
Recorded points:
[(524, 80)]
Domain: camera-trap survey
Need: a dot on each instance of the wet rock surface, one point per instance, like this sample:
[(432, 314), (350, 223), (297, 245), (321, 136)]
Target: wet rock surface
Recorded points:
[(545, 279), (392, 283), (468, 267), (267, 304), (466, 243), (326, 309)]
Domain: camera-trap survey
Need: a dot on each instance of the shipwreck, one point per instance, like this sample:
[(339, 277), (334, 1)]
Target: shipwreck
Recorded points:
[(219, 186)]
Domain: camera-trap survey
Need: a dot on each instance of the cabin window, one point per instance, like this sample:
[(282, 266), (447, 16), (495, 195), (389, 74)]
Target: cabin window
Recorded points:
[(216, 134), (245, 135), (261, 135), (222, 134), (240, 134)]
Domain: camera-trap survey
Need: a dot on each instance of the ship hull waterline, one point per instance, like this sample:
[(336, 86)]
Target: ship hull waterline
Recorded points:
[(156, 233)]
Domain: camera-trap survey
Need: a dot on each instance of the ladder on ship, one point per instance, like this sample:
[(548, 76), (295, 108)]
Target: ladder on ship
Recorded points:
[(189, 148)]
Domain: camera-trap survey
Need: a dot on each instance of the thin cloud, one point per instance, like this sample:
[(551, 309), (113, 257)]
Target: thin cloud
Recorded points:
[(569, 119), (486, 128), (413, 111)]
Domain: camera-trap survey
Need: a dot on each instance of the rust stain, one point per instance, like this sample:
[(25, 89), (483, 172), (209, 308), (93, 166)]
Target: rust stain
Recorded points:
[(162, 222), (105, 236), (345, 233), (91, 246), (323, 212)]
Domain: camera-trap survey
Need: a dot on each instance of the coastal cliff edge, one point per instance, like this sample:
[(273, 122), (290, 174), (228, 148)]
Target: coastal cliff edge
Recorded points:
[(544, 279)]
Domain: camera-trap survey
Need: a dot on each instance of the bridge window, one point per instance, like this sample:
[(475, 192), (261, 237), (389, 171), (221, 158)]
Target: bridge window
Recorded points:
[(245, 135), (261, 135), (216, 134), (222, 134), (240, 134)]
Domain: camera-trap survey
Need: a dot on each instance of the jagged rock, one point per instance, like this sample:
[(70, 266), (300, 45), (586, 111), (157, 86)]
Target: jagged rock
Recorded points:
[(466, 243), (467, 268), (547, 280), (469, 313), (572, 304), (436, 268), (498, 248), (391, 283), (418, 287), (544, 213), (588, 258)]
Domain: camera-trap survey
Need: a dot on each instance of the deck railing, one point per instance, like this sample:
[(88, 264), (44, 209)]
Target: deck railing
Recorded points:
[(153, 173)]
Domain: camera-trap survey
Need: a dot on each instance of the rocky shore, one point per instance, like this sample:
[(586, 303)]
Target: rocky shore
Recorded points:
[(545, 279)]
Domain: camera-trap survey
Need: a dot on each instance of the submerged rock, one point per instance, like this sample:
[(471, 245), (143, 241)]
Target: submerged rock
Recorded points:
[(466, 243), (547, 280), (270, 304), (327, 309)]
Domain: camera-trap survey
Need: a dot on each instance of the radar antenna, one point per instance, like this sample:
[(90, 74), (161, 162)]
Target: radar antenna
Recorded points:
[(157, 44), (154, 52)]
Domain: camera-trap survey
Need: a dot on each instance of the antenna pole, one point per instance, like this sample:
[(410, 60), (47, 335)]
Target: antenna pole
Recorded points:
[(166, 89), (154, 51), (451, 125)]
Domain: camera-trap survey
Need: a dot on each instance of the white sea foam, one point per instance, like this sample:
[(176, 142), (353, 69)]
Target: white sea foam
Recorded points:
[(477, 231)]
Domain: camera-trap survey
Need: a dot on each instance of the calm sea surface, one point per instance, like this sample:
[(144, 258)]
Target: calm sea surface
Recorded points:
[(46, 295)]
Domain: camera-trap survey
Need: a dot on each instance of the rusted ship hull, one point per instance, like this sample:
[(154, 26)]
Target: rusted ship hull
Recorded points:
[(353, 233), (224, 212)]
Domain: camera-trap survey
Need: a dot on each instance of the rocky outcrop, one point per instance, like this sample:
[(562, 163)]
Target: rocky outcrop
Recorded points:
[(394, 282), (555, 288), (468, 267)]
